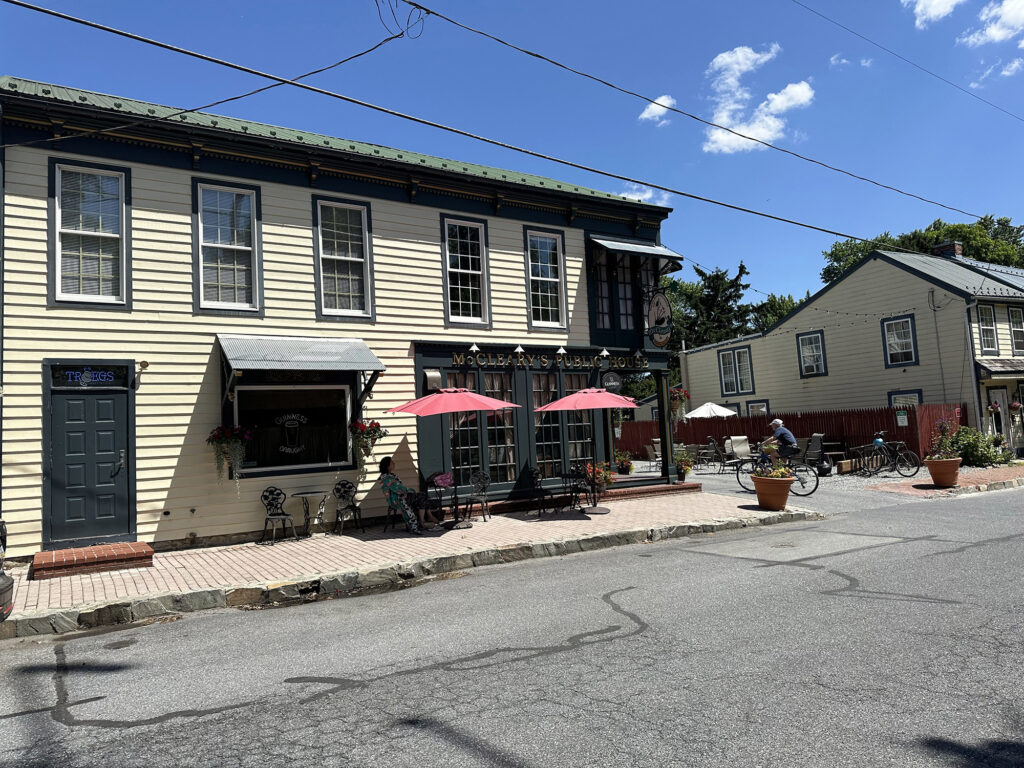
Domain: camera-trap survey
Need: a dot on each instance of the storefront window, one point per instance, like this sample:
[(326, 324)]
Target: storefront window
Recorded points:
[(501, 432), (464, 432), (547, 429), (299, 426), (579, 423)]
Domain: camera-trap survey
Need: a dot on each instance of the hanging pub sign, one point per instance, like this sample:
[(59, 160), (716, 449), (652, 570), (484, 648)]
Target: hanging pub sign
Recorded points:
[(659, 319), (611, 381), (80, 376)]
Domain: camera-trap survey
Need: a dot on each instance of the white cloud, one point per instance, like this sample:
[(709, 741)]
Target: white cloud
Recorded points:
[(926, 11), (646, 194), (656, 110), (1001, 20), (837, 60), (731, 99), (866, 62), (1012, 68), (984, 76)]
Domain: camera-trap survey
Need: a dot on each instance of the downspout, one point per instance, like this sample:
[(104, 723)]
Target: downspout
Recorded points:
[(976, 389)]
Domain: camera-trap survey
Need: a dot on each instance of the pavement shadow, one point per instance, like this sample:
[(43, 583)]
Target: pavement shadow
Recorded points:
[(987, 754)]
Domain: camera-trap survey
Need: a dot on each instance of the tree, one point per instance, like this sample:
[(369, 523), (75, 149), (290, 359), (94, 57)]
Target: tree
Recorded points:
[(708, 310), (989, 239), (773, 309)]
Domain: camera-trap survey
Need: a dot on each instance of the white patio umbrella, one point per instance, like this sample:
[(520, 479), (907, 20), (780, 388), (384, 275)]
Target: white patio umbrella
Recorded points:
[(709, 411)]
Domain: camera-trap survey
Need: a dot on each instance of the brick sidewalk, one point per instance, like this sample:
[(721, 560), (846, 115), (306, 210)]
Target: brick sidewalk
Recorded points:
[(248, 564), (971, 480)]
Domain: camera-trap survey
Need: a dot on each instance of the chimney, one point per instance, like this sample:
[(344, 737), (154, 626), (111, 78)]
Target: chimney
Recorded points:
[(948, 249)]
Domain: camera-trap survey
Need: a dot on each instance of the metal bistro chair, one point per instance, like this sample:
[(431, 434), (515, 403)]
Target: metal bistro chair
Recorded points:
[(345, 493), (478, 484), (273, 500), (574, 485), (535, 489)]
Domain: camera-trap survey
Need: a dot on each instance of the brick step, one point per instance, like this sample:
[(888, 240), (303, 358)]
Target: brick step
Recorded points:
[(101, 557)]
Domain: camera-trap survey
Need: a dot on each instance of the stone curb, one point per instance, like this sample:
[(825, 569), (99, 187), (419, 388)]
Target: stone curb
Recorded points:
[(995, 485), (328, 586)]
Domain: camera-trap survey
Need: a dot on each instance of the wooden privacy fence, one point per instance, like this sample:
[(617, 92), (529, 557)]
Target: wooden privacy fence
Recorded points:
[(847, 427)]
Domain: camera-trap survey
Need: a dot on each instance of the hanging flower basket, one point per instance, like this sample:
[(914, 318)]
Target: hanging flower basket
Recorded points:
[(229, 451), (365, 434), (1015, 407), (993, 407)]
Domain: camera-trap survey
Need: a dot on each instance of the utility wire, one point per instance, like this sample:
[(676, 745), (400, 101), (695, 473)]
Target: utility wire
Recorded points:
[(440, 126), (908, 61), (164, 118), (649, 100)]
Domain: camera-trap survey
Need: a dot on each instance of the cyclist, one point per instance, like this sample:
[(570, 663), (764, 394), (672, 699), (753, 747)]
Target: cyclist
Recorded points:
[(783, 439)]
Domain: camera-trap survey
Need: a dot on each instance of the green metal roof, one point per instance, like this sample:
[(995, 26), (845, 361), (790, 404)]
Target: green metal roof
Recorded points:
[(956, 275), (133, 109)]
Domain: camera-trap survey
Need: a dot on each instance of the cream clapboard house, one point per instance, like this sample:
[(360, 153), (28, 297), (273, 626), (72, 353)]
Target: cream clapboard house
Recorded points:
[(170, 273), (896, 329)]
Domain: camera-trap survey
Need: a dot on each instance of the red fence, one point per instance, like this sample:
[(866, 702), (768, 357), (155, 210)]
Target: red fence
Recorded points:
[(846, 427)]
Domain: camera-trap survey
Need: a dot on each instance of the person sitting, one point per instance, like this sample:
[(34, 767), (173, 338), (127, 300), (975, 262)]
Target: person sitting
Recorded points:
[(783, 440), (395, 493)]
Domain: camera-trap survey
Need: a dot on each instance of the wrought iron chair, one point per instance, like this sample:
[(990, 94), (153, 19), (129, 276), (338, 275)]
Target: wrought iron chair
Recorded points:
[(478, 482), (345, 493), (575, 485), (273, 500), (535, 489)]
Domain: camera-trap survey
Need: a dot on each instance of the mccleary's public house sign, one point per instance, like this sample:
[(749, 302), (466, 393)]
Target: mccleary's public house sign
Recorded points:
[(546, 361)]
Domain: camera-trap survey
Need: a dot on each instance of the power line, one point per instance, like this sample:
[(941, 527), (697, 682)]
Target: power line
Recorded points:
[(649, 100), (164, 118), (433, 124), (908, 61)]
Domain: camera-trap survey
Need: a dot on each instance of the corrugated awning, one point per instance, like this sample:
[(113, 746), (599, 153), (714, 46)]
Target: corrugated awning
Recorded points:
[(1001, 368), (659, 252), (297, 353)]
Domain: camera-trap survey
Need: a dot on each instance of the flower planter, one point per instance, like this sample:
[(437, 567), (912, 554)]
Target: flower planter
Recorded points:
[(945, 472), (772, 492)]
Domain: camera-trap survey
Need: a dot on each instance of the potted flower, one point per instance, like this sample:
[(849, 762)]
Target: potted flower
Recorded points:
[(683, 462), (1015, 406), (599, 475), (365, 434), (771, 483), (943, 459), (623, 462), (229, 450), (993, 407)]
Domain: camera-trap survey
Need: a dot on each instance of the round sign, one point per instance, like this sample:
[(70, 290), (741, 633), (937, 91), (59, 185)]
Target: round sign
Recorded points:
[(611, 381), (659, 319)]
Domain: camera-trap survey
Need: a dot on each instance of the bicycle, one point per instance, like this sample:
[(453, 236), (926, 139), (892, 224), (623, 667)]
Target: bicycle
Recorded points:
[(892, 455), (806, 481)]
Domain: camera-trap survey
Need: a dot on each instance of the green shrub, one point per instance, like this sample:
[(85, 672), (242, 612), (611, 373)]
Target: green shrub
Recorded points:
[(977, 449)]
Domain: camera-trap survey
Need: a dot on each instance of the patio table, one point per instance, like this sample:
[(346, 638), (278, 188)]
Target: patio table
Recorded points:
[(318, 517)]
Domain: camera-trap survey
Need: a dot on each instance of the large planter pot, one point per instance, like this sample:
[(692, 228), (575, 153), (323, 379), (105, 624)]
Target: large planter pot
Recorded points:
[(772, 492), (945, 472)]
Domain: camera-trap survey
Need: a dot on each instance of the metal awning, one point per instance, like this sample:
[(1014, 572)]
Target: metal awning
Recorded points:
[(660, 252), (1001, 368), (297, 353)]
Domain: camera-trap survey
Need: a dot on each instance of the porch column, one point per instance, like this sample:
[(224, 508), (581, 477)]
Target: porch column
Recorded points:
[(668, 467)]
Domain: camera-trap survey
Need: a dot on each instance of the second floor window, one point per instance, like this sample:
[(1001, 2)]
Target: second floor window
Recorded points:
[(226, 231), (90, 242), (900, 344), (812, 354), (343, 259), (987, 326), (545, 260), (736, 373), (1017, 330), (465, 262)]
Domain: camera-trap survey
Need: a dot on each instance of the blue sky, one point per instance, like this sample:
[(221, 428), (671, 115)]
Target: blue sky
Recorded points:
[(769, 68)]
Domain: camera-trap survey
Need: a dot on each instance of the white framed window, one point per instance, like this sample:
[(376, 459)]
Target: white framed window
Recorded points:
[(343, 233), (900, 342), (546, 265), (987, 328), (295, 426), (904, 398), (735, 371), (90, 253), (1017, 330), (466, 270), (227, 247), (811, 347)]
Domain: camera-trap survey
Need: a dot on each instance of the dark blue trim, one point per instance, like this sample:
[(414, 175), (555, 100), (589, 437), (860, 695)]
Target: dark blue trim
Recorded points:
[(721, 373), (894, 392), (995, 330), (371, 301), (1009, 319), (132, 533), (51, 237), (257, 251), (564, 327), (976, 378), (616, 336), (485, 269), (800, 357), (913, 341), (767, 409)]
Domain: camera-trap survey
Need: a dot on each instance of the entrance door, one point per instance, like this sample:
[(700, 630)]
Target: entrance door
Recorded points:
[(89, 477), (1000, 420)]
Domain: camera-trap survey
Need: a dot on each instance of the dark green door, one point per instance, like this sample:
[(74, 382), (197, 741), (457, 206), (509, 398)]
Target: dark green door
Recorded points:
[(90, 470)]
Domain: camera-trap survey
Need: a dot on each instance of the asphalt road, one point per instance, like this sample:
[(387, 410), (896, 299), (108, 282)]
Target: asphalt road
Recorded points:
[(885, 637)]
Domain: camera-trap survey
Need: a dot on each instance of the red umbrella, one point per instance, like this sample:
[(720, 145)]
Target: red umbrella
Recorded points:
[(586, 400), (452, 400)]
